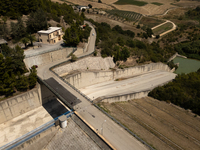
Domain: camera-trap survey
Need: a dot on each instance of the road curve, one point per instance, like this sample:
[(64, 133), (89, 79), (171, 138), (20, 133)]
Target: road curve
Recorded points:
[(113, 133)]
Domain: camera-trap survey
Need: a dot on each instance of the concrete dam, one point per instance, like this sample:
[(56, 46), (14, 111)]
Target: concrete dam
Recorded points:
[(96, 78)]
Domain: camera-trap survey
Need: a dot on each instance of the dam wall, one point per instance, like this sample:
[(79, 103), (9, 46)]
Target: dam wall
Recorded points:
[(85, 78), (89, 63), (125, 97), (22, 103), (47, 57)]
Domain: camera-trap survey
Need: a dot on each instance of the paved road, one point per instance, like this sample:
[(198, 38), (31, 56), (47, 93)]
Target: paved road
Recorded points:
[(113, 133), (44, 48), (140, 83)]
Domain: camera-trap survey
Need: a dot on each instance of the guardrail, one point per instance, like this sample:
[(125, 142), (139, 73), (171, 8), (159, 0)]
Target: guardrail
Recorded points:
[(50, 50), (129, 131), (33, 133)]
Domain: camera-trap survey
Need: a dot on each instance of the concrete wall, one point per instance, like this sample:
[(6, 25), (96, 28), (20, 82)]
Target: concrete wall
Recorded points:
[(48, 57), (22, 103), (86, 78), (89, 63), (120, 98), (17, 105), (174, 56)]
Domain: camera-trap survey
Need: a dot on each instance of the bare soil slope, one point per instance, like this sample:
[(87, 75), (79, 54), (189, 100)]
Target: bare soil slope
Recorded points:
[(162, 125)]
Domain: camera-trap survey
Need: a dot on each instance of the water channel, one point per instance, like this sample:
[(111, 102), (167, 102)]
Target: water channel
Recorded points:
[(186, 65)]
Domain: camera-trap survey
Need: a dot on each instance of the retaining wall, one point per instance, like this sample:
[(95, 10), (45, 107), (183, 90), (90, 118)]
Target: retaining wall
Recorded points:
[(174, 56), (22, 103), (126, 97), (89, 63), (45, 58), (86, 78)]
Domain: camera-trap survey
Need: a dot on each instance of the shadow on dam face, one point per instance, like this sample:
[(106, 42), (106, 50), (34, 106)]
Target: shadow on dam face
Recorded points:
[(68, 97)]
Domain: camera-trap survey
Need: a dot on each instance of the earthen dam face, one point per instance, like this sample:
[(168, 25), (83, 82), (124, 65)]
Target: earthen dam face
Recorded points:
[(96, 78)]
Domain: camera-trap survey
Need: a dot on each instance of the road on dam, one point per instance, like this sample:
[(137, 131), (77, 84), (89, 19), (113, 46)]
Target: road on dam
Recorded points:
[(144, 82), (113, 133)]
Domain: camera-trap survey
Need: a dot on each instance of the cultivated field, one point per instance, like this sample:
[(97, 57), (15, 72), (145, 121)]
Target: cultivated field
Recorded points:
[(145, 7), (164, 126), (124, 15), (150, 22), (163, 28), (125, 25)]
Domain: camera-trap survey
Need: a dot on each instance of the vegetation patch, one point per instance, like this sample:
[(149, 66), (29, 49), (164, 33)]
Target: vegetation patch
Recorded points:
[(150, 22), (156, 3), (131, 2), (163, 28), (12, 69), (184, 91)]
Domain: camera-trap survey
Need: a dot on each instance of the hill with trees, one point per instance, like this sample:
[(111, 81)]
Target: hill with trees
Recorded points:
[(120, 44), (184, 91), (38, 11)]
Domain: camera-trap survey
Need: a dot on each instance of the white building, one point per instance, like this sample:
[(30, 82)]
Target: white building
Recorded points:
[(52, 35)]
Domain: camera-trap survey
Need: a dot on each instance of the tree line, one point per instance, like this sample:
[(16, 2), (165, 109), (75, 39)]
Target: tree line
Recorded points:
[(12, 69), (184, 91), (76, 34), (14, 9)]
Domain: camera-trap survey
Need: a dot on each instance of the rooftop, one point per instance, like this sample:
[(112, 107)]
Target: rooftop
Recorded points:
[(50, 30)]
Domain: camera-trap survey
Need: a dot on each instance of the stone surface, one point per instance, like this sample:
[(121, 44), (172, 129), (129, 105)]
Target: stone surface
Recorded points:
[(18, 126), (89, 63), (72, 137)]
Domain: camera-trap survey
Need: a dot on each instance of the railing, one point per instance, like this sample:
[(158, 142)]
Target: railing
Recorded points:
[(33, 133), (129, 131), (50, 50)]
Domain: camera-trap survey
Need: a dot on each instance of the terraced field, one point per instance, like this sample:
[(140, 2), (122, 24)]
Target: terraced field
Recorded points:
[(163, 28), (150, 22), (124, 15), (164, 126)]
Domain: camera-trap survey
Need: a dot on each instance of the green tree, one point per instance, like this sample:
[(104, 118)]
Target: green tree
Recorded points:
[(120, 41), (149, 32), (22, 83), (17, 59), (125, 54), (18, 29), (32, 38), (73, 58), (4, 32), (36, 21), (7, 87), (89, 5), (32, 79), (71, 37), (25, 41), (6, 50)]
